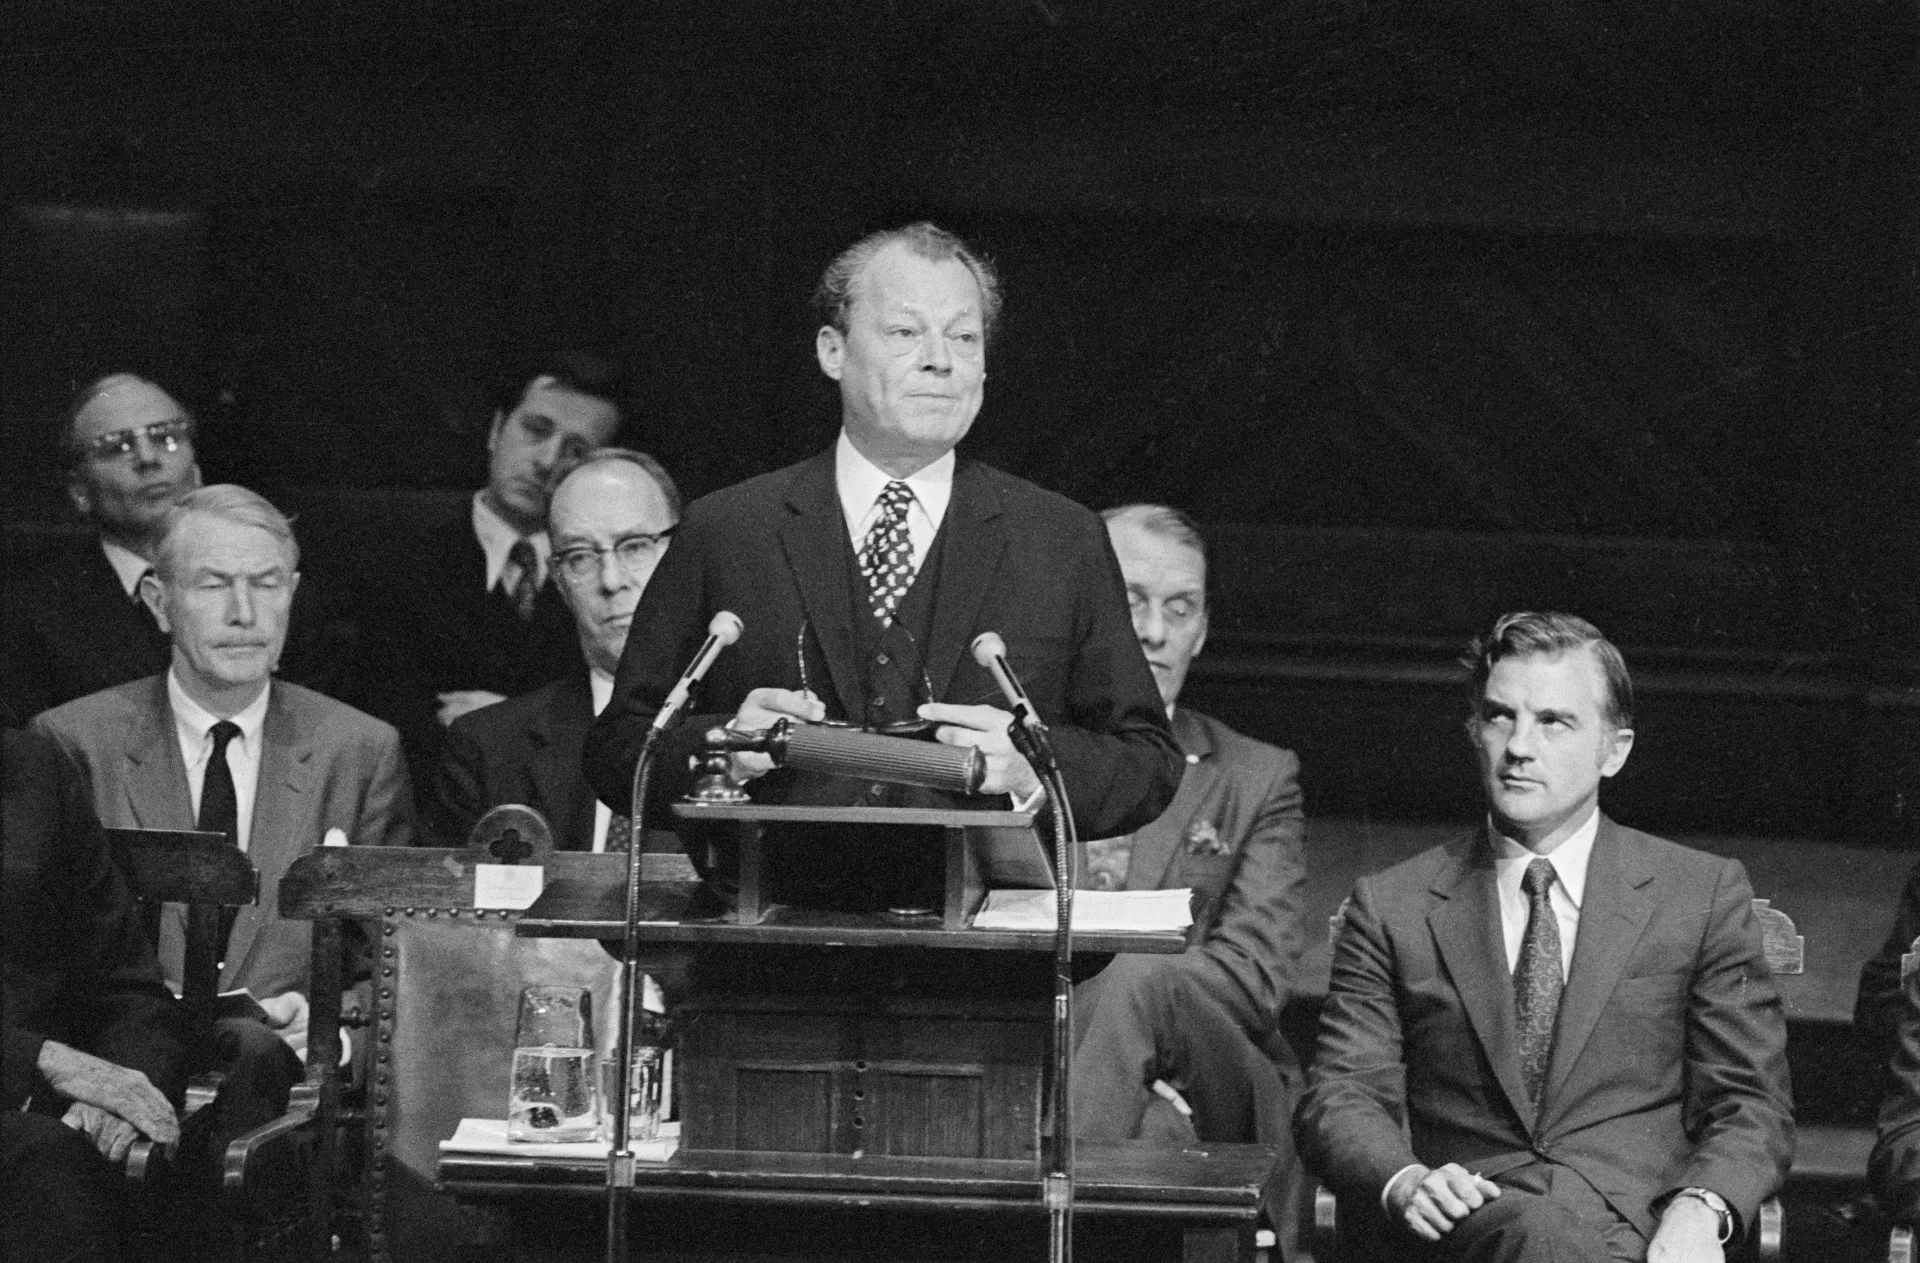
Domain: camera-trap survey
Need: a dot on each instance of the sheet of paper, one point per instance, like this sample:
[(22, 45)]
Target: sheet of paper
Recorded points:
[(513, 886), (1092, 910), (489, 1135)]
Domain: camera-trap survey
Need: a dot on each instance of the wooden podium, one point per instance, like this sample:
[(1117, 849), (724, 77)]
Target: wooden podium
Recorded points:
[(859, 1033)]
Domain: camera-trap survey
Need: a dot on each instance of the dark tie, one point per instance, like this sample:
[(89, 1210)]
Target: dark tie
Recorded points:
[(220, 808), (1537, 980), (526, 584), (619, 831), (886, 559)]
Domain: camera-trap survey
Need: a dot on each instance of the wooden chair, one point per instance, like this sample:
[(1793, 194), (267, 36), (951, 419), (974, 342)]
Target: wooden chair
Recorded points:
[(263, 1170), (1785, 950)]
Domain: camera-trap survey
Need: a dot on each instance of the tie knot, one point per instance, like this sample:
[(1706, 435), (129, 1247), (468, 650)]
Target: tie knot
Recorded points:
[(521, 554), (1538, 877), (223, 732), (895, 497)]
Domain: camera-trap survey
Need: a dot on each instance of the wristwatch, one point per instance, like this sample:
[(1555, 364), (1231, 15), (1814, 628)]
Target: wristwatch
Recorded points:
[(1717, 1204)]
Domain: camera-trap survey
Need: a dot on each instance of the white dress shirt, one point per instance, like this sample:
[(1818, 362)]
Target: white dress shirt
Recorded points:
[(193, 724), (860, 482), (497, 538), (127, 565), (1569, 861), (601, 685)]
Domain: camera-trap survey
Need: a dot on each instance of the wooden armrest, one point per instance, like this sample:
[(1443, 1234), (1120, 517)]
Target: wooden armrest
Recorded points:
[(148, 1161), (1767, 1233), (1900, 1245), (242, 1163)]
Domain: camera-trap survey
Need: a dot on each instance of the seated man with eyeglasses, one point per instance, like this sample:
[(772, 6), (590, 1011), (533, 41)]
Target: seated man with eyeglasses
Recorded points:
[(74, 621), (610, 522)]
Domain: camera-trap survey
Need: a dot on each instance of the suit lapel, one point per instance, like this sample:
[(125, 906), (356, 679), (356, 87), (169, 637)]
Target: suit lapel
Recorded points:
[(557, 736), (282, 803), (975, 540), (1466, 930), (814, 537), (1614, 911), (156, 775), (1156, 846)]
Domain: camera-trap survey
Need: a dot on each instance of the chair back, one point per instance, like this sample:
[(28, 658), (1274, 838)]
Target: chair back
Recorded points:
[(447, 1000), (204, 871)]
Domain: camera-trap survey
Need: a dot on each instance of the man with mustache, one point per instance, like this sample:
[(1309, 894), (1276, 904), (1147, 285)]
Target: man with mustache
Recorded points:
[(611, 522), (1555, 1038), (216, 743)]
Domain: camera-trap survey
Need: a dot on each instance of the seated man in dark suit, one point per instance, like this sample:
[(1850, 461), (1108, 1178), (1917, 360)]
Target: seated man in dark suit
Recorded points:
[(94, 1054), (484, 620), (1555, 1037), (1888, 1014), (217, 743), (610, 522), (1199, 1028), (74, 621)]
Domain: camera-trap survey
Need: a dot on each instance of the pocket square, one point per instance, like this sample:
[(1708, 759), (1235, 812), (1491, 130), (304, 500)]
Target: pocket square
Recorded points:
[(1203, 838)]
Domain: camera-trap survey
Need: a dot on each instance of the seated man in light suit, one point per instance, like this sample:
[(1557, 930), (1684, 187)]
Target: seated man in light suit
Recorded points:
[(216, 743), (610, 521), (1202, 1023), (1555, 1038)]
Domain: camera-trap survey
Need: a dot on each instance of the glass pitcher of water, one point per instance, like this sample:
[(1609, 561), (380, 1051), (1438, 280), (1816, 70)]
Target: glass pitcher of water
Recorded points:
[(555, 1095)]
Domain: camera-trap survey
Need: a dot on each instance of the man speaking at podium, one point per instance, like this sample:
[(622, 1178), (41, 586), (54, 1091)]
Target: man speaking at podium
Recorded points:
[(863, 574)]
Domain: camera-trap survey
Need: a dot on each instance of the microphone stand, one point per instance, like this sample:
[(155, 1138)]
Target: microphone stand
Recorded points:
[(620, 1152), (1029, 737)]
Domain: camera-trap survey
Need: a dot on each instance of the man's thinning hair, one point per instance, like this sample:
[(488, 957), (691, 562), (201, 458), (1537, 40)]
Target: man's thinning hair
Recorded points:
[(833, 297), (1160, 519), (71, 452), (1525, 633), (229, 503), (655, 470)]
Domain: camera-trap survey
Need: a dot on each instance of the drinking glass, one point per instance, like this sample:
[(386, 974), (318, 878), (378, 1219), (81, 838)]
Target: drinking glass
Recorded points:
[(555, 1094)]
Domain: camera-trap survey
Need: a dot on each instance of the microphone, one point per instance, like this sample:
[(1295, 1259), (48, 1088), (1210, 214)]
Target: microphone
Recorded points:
[(1029, 733), (867, 756), (721, 632)]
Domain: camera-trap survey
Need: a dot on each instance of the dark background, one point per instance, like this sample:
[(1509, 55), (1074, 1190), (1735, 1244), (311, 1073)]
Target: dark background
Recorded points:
[(1428, 309)]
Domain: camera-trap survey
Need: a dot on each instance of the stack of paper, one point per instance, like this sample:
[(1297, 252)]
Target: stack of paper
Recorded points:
[(1146, 910), (489, 1135)]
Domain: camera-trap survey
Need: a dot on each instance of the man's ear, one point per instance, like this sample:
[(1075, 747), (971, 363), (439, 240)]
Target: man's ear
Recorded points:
[(1200, 641), (77, 493), (830, 345), (154, 593), (1616, 757), (493, 431)]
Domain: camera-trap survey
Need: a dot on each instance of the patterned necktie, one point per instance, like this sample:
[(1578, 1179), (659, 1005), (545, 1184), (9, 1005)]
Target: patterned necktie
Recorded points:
[(619, 831), (526, 584), (220, 808), (1537, 980), (886, 559)]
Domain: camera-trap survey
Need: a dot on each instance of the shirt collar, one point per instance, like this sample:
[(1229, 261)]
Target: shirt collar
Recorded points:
[(497, 537), (1569, 859), (195, 721), (127, 565), (600, 684), (861, 481)]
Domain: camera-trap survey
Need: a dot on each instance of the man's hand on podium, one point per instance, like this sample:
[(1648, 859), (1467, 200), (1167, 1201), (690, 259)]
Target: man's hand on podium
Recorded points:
[(759, 712), (985, 729)]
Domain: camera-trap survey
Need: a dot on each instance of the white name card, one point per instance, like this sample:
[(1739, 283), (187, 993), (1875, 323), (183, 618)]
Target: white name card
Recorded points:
[(513, 886)]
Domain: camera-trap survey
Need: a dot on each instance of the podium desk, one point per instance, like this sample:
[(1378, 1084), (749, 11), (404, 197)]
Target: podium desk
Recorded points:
[(1132, 1201), (809, 1030)]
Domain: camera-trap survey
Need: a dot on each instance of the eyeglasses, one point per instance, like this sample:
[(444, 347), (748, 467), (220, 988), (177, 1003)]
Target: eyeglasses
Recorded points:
[(899, 728), (581, 563), (169, 436)]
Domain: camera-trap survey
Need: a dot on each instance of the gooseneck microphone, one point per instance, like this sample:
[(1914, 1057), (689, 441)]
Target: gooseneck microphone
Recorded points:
[(1028, 732), (721, 632), (867, 756)]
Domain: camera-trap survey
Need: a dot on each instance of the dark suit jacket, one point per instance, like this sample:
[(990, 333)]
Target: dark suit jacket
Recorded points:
[(75, 965), (1892, 1024), (71, 631), (323, 765), (1236, 835), (524, 750), (1669, 1061), (1033, 566)]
